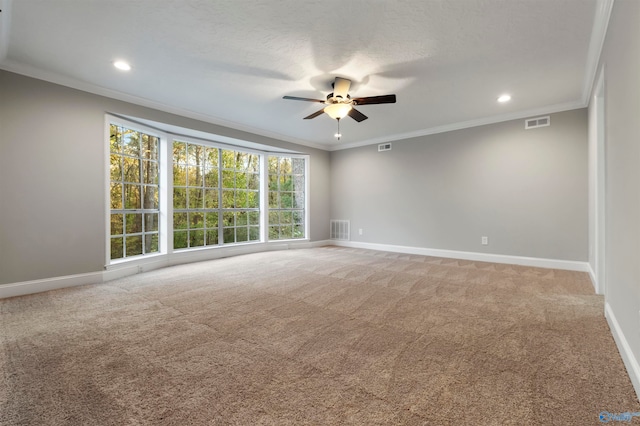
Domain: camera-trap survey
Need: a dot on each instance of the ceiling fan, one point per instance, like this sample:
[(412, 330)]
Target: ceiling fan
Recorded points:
[(340, 104)]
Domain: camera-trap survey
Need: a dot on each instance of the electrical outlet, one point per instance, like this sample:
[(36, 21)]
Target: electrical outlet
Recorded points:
[(360, 231), (485, 241)]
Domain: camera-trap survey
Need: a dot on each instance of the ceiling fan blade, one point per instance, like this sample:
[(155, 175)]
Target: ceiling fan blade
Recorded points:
[(295, 98), (341, 87), (371, 100), (315, 114), (357, 115)]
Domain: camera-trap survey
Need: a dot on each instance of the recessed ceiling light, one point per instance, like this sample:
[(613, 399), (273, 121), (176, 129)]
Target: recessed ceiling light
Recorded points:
[(504, 98), (122, 65)]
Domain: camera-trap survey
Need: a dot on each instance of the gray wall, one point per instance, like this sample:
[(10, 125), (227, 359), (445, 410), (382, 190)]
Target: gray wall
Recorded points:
[(52, 188), (524, 189), (621, 60)]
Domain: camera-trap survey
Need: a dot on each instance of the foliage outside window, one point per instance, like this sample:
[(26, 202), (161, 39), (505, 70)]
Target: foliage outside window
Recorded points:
[(286, 198), (216, 196), (134, 192)]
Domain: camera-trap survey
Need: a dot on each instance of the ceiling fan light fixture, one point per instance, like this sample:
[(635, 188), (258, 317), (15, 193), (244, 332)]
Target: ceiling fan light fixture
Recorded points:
[(337, 111)]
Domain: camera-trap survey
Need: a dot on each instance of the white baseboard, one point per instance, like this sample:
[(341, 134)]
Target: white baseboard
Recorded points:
[(37, 286), (569, 265), (123, 269), (629, 359)]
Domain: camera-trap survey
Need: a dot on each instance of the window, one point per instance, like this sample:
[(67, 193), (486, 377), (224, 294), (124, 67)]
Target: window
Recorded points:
[(286, 197), (214, 202), (170, 194), (134, 192), (240, 196), (195, 195)]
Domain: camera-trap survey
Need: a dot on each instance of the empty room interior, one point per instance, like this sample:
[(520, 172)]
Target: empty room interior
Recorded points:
[(319, 212)]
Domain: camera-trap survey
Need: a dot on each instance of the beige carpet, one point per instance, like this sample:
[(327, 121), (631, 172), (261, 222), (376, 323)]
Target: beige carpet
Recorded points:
[(325, 336)]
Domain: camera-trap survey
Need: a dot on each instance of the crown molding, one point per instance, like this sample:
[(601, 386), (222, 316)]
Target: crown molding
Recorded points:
[(73, 83), (465, 124)]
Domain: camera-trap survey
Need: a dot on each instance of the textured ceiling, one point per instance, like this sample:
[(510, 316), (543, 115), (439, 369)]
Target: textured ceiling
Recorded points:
[(231, 61)]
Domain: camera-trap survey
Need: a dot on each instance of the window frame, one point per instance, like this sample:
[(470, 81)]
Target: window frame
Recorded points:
[(112, 120), (305, 209)]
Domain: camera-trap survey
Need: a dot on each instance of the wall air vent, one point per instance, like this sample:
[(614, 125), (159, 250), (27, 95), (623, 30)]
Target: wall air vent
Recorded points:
[(384, 147), (532, 123), (340, 230)]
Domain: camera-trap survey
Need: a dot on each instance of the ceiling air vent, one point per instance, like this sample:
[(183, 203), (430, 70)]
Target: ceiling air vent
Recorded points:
[(532, 123), (384, 147)]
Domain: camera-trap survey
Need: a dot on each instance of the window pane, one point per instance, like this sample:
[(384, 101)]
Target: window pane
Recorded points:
[(180, 239), (228, 236), (133, 223), (150, 147), (212, 237), (132, 197), (285, 218), (195, 198), (211, 199), (274, 218), (228, 219), (298, 231), (228, 179), (254, 218), (211, 220), (116, 248), (115, 143), (241, 218), (179, 152), (211, 159), (151, 222), (254, 233), (253, 181), (180, 221), (242, 234), (228, 199), (195, 155), (117, 224), (228, 159), (196, 220), (253, 200), (134, 245), (241, 199), (151, 243), (273, 182), (286, 232), (150, 172), (211, 178), (150, 200), (274, 232), (196, 238), (131, 167), (179, 175), (286, 201), (115, 167), (131, 143), (298, 200), (116, 196), (273, 165), (273, 200), (179, 198), (194, 175)]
